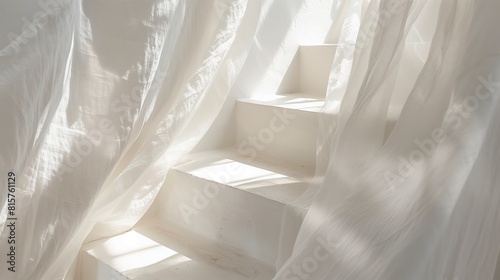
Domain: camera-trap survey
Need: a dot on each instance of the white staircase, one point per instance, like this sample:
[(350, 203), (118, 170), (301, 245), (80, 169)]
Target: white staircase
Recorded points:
[(219, 215)]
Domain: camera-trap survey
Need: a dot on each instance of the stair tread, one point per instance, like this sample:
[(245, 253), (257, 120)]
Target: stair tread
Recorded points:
[(276, 180), (148, 252), (293, 101), (307, 102)]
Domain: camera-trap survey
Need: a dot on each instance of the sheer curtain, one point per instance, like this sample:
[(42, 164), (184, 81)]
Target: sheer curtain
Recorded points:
[(418, 199), (99, 99)]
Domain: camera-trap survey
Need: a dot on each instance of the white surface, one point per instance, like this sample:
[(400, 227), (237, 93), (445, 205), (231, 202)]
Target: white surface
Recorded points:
[(315, 64), (309, 70), (124, 252), (225, 199), (149, 253), (279, 127)]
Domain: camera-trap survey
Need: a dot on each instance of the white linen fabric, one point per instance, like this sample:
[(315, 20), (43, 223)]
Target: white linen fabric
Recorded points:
[(420, 201), (100, 98)]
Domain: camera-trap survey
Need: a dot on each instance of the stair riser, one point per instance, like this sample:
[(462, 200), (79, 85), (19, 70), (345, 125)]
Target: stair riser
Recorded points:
[(95, 269), (285, 134), (244, 221), (315, 65), (309, 71)]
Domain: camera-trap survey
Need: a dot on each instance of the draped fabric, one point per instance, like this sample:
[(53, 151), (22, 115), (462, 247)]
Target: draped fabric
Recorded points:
[(100, 98), (418, 199)]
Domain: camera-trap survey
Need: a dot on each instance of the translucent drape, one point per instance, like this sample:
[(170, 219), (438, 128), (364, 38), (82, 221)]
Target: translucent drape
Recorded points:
[(98, 100), (418, 199)]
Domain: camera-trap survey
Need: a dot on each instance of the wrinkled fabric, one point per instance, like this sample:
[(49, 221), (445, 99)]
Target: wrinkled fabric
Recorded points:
[(418, 199), (99, 100)]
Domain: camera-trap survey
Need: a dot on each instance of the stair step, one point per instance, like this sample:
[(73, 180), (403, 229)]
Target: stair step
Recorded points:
[(232, 200), (151, 253), (279, 126), (220, 213), (315, 65), (310, 70)]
